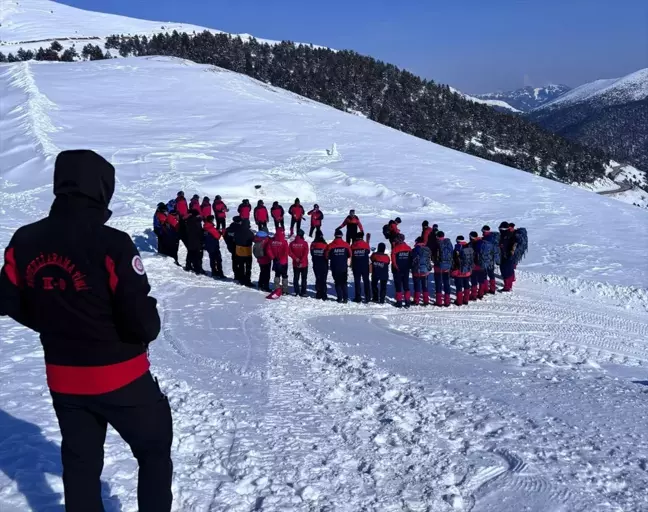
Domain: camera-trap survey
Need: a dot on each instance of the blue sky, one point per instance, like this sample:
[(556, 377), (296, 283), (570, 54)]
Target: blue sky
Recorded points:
[(474, 45)]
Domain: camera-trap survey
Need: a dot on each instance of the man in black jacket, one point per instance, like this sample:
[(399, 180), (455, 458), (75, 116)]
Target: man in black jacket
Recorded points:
[(230, 241), (194, 240), (82, 286), (244, 239)]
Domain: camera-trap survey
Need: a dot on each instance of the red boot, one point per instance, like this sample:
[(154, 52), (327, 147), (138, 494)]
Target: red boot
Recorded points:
[(447, 300), (467, 297), (483, 288), (417, 298), (426, 299), (460, 298), (408, 299), (493, 286), (439, 299), (474, 291), (507, 284)]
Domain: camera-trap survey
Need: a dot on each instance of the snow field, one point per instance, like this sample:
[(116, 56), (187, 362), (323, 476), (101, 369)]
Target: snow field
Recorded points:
[(530, 398)]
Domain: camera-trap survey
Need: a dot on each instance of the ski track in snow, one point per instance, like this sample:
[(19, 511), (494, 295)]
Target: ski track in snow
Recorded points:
[(527, 401)]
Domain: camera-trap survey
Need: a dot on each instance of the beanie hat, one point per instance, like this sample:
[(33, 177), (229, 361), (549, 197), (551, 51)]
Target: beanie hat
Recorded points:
[(425, 223), (460, 238), (473, 234), (504, 225), (440, 234), (300, 232), (435, 226), (236, 219), (398, 220), (359, 236), (381, 247), (486, 228), (210, 218), (338, 233)]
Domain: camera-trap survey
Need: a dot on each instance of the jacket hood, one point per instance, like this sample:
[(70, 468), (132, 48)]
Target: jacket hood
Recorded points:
[(83, 174), (280, 235)]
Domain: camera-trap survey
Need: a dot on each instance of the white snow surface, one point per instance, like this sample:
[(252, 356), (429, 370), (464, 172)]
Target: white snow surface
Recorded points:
[(492, 103), (30, 24), (613, 91), (531, 401)]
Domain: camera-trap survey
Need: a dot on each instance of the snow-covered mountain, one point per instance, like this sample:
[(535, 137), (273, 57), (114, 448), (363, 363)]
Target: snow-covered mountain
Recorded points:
[(527, 98), (609, 115), (534, 397), (495, 103)]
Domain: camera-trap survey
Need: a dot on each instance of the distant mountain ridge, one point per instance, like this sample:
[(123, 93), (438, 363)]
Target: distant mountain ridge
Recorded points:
[(527, 98), (609, 115)]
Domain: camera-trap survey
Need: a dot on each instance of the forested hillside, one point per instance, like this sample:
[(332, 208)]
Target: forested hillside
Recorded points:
[(366, 86)]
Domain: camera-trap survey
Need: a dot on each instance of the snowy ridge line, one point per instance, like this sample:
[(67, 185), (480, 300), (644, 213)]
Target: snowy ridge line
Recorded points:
[(37, 123)]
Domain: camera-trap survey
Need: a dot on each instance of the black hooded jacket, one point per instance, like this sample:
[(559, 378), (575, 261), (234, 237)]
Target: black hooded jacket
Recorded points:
[(81, 285)]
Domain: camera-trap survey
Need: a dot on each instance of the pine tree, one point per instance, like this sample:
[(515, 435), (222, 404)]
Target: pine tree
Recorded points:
[(56, 46), (70, 55)]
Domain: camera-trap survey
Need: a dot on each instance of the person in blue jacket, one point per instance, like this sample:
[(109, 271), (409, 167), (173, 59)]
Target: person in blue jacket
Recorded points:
[(338, 254), (360, 252), (320, 265)]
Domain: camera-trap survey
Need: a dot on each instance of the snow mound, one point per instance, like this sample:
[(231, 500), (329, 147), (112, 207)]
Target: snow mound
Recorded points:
[(489, 102)]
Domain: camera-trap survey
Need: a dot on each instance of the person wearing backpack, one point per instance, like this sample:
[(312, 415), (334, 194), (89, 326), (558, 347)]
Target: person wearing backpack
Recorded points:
[(261, 216), (296, 212), (360, 252), (277, 213), (507, 249), (212, 246), (338, 253), (317, 217), (379, 273), (230, 242), (320, 265), (194, 242), (463, 262), (421, 263), (278, 251), (521, 246), (220, 213), (401, 270), (244, 239), (260, 252), (478, 276), (298, 250), (490, 254), (429, 233), (442, 258)]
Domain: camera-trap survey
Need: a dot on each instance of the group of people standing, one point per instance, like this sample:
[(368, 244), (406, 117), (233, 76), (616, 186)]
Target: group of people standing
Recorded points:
[(471, 262)]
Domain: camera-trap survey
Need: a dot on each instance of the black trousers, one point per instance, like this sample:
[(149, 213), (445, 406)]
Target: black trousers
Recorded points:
[(262, 226), (220, 223), (295, 222), (216, 263), (360, 278), (379, 289), (279, 223), (264, 277), (236, 267), (314, 229), (245, 264), (321, 289), (194, 262), (341, 280), (140, 413), (300, 274)]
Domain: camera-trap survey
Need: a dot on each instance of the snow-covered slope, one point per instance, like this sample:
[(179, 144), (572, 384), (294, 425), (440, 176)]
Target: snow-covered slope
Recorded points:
[(527, 98), (30, 24), (303, 405), (496, 103), (607, 92)]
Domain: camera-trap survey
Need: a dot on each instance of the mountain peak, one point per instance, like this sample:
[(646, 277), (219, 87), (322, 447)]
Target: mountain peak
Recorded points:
[(529, 97)]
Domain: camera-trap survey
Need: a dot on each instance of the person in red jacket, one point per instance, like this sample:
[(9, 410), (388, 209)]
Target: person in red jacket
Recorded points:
[(317, 217), (394, 231), (299, 253), (360, 253), (277, 213), (429, 233), (244, 209), (379, 274), (194, 204), (181, 206), (338, 254), (278, 252), (82, 286), (353, 225), (260, 249), (296, 212), (205, 208), (261, 216), (320, 265), (212, 246), (220, 213), (401, 270)]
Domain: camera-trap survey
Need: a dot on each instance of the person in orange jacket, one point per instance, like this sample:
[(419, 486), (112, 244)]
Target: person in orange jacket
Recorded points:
[(338, 254), (317, 217), (360, 253), (296, 212), (353, 225), (298, 251), (278, 252)]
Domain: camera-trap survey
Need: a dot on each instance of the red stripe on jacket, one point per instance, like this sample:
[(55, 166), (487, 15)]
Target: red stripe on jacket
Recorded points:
[(95, 380), (10, 267)]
